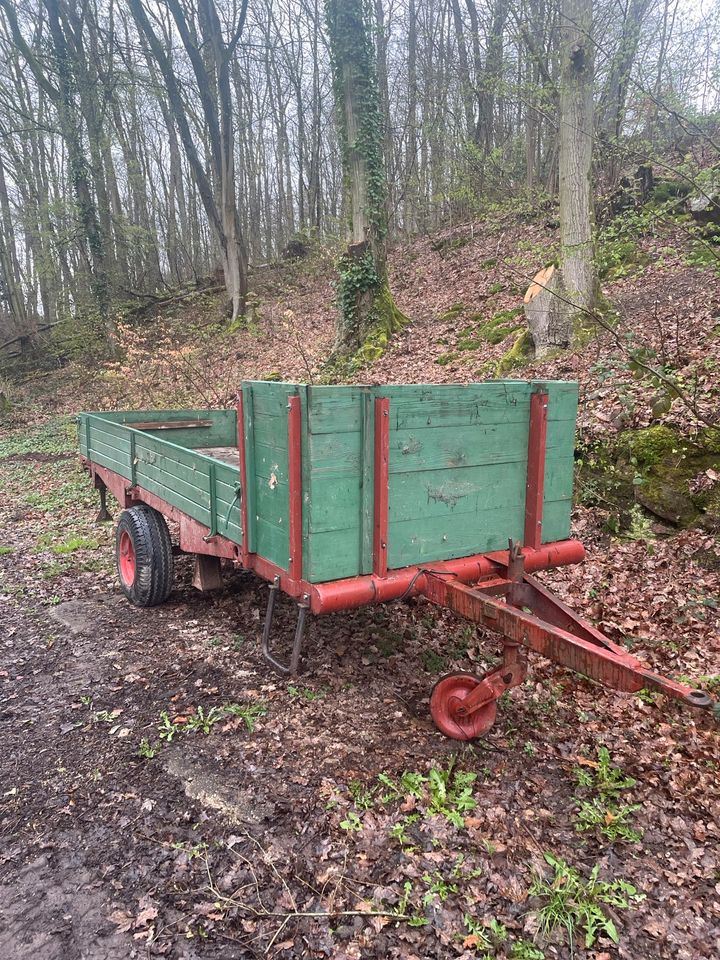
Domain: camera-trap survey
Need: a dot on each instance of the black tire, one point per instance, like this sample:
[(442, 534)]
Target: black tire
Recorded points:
[(144, 558)]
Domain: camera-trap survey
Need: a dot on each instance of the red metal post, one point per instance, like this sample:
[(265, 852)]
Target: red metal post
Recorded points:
[(295, 486), (381, 498), (243, 478), (535, 491)]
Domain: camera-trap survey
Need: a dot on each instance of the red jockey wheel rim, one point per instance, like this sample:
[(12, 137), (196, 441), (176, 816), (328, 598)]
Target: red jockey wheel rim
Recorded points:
[(127, 559), (448, 693)]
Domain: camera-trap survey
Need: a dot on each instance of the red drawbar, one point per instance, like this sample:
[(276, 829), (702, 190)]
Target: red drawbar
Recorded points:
[(295, 486), (535, 491), (382, 463)]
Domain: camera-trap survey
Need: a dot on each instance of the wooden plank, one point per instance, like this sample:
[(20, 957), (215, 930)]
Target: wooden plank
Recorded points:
[(470, 446), (110, 432), (111, 446), (471, 490), (221, 432), (334, 504), (335, 409), (336, 455), (169, 480), (535, 486), (270, 398), (556, 520), (445, 538), (334, 555), (273, 543), (191, 507), (172, 424), (272, 502), (271, 462), (490, 403)]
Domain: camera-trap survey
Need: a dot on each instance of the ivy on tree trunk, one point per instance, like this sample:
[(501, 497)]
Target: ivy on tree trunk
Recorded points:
[(364, 300)]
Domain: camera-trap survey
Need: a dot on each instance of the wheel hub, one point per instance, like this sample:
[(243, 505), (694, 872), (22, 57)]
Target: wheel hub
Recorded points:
[(449, 714), (127, 559)]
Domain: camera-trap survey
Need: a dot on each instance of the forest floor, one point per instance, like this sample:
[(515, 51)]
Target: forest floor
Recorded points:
[(162, 793)]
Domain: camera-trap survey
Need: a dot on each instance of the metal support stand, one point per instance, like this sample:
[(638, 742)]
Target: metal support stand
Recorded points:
[(103, 514), (287, 670)]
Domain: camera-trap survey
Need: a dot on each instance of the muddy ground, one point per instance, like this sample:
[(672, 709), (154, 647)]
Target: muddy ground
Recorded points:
[(278, 824)]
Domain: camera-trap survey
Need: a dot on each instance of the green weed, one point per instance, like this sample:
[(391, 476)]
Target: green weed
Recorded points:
[(611, 820), (522, 950), (444, 792), (602, 776), (147, 750), (202, 722), (75, 543), (577, 905), (352, 823), (434, 662)]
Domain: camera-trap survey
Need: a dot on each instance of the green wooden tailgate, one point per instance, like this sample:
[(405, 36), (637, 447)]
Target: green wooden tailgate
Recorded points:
[(458, 470)]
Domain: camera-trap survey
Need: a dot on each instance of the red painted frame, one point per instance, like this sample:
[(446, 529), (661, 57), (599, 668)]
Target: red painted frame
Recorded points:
[(335, 595), (535, 491), (295, 488), (243, 478), (381, 486)]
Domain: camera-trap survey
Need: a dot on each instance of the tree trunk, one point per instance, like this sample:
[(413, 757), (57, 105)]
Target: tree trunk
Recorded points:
[(577, 252), (558, 302), (366, 305)]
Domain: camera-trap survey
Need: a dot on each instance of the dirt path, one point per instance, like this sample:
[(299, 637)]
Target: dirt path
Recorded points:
[(162, 794)]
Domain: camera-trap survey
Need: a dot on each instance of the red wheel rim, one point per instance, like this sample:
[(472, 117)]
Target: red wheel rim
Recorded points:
[(126, 559), (447, 695)]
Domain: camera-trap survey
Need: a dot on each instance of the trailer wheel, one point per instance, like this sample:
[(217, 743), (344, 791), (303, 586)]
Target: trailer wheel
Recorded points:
[(144, 556), (447, 694)]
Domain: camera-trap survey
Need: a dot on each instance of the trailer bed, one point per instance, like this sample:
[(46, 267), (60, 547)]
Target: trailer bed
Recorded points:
[(454, 469)]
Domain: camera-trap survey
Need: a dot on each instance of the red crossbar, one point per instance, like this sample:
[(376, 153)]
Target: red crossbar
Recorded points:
[(243, 478)]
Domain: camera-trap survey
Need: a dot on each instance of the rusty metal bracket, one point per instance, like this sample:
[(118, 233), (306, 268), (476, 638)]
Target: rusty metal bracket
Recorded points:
[(291, 668)]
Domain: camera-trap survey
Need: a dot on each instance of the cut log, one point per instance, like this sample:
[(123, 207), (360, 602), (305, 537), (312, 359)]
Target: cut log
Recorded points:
[(546, 312), (540, 281)]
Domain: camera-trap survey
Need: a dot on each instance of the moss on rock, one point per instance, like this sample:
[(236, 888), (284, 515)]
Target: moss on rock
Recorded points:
[(665, 465), (651, 445)]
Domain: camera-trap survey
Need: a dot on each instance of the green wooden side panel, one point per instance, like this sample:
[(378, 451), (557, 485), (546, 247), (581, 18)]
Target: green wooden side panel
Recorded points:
[(266, 426), (339, 494), (203, 488), (458, 467), (222, 432)]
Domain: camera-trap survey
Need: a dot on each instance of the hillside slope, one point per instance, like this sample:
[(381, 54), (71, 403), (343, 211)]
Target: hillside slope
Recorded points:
[(325, 816)]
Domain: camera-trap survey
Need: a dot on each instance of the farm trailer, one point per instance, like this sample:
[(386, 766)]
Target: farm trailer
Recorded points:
[(341, 496)]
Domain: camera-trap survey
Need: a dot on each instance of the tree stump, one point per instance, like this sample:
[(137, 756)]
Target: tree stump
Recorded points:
[(547, 314)]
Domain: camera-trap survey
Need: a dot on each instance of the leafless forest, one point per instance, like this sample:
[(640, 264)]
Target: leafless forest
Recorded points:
[(148, 145)]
